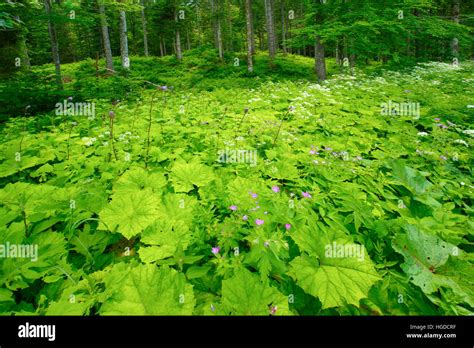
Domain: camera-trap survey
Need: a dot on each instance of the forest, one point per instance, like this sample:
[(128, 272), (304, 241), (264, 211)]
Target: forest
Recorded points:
[(236, 157)]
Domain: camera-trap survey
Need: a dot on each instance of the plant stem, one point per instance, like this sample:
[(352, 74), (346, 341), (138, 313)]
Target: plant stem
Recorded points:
[(279, 128), (68, 139), (149, 129), (111, 137), (240, 123)]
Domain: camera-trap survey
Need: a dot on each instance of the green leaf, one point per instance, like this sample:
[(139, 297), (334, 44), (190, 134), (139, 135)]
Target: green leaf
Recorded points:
[(431, 263), (334, 279), (185, 175), (139, 179), (245, 294), (197, 272), (130, 213), (409, 177), (147, 290)]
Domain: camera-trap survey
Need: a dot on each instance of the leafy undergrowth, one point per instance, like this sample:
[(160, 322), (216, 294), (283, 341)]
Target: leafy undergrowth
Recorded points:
[(331, 208)]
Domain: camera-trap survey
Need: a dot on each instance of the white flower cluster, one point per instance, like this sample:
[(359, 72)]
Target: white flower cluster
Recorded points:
[(89, 141), (460, 141)]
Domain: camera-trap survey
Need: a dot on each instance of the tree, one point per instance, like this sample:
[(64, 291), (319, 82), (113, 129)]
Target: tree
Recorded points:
[(319, 58), (250, 37), (106, 38), (215, 8), (179, 53), (283, 27), (54, 44), (124, 41), (455, 41), (271, 35), (145, 34)]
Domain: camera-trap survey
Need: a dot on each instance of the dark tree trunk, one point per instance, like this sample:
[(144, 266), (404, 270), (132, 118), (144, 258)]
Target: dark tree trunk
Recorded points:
[(54, 45), (250, 39)]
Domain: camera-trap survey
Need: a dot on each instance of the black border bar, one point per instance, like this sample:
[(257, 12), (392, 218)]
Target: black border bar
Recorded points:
[(195, 331)]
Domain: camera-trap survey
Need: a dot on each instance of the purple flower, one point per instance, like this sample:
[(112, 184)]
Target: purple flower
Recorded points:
[(111, 114), (215, 250), (443, 157), (213, 308), (275, 189), (273, 309), (328, 149), (245, 217), (312, 152), (437, 119), (287, 226), (259, 222), (306, 195), (254, 195), (233, 207)]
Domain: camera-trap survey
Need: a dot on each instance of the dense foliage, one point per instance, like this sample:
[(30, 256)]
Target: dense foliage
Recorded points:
[(145, 208)]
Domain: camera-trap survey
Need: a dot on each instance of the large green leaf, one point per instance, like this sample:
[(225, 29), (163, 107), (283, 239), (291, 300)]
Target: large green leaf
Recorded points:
[(245, 294), (409, 177), (147, 290), (431, 263), (130, 213), (48, 263), (334, 280), (139, 179), (185, 175)]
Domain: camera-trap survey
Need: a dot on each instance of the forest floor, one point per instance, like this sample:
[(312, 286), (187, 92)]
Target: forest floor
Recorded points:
[(266, 194)]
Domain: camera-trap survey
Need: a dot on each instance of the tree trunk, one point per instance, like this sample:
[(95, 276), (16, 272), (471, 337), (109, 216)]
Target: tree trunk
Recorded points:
[(215, 8), (455, 41), (54, 45), (250, 39), (124, 41), (188, 40), (162, 53), (24, 50), (219, 40), (270, 30), (105, 38), (179, 53), (229, 27), (145, 33), (283, 28)]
